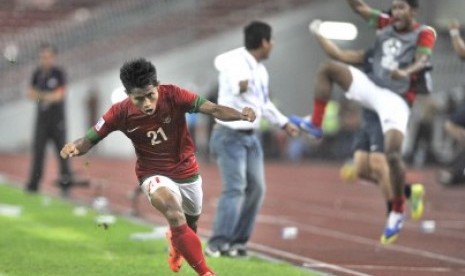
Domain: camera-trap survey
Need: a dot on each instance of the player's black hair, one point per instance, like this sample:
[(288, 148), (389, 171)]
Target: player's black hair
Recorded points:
[(412, 3), (254, 33), (138, 73)]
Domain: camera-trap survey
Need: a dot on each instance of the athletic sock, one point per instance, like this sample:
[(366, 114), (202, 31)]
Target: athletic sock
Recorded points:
[(389, 206), (188, 244), (319, 107), (407, 190), (398, 204)]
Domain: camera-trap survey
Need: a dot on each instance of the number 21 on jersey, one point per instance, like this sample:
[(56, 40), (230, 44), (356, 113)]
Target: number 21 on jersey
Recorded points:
[(156, 137)]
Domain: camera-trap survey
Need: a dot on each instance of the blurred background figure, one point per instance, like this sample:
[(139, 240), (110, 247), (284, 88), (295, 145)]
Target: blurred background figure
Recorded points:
[(47, 89), (455, 125), (243, 81)]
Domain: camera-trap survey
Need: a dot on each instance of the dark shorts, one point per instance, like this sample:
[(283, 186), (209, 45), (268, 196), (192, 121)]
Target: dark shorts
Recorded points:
[(458, 117), (370, 137)]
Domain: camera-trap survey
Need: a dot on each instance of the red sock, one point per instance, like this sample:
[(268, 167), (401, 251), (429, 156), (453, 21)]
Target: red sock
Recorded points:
[(319, 107), (188, 244), (398, 204)]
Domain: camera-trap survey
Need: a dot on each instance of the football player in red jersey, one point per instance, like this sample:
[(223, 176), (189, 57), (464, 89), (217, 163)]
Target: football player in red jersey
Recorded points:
[(153, 118)]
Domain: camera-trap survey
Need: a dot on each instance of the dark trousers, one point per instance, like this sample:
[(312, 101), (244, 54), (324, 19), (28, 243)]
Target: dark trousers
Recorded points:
[(457, 168), (49, 128)]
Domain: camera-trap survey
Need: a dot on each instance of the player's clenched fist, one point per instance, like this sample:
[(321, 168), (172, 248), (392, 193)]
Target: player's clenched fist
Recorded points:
[(69, 150), (248, 114)]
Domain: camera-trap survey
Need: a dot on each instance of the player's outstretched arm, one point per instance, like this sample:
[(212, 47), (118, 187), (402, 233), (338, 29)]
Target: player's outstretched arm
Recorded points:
[(225, 113), (76, 148), (361, 8), (352, 57)]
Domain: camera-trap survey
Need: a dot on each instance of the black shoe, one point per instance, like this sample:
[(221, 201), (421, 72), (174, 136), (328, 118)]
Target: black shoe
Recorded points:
[(238, 251), (242, 253), (31, 190), (67, 183), (229, 253)]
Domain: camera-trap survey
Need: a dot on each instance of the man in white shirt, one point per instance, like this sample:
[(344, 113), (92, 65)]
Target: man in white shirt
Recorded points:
[(243, 81)]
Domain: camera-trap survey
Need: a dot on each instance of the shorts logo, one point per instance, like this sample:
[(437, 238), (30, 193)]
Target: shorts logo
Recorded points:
[(99, 124)]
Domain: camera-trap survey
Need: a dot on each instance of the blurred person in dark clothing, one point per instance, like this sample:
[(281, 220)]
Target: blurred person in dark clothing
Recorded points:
[(47, 89), (455, 125)]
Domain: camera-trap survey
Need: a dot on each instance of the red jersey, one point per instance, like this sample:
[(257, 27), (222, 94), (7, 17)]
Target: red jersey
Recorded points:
[(161, 141)]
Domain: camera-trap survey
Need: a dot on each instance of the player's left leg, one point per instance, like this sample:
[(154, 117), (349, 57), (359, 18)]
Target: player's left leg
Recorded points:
[(393, 145), (165, 196)]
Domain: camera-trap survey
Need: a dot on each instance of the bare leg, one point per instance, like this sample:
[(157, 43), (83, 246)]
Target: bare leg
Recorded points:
[(362, 166), (393, 145), (379, 169), (329, 73), (373, 167)]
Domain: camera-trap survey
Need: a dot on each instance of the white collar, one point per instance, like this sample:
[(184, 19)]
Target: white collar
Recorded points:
[(251, 61)]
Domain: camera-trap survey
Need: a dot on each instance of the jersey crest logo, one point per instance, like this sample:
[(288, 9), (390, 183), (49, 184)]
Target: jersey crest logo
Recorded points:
[(392, 47), (167, 120), (99, 124)]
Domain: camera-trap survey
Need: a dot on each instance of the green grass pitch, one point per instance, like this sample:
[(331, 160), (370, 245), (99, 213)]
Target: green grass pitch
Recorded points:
[(48, 239)]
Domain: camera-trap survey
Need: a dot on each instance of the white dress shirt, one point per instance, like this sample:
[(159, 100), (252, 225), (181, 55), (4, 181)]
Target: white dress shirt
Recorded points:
[(238, 65)]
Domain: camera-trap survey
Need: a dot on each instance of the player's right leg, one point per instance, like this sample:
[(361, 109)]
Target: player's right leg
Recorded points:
[(165, 196), (329, 73)]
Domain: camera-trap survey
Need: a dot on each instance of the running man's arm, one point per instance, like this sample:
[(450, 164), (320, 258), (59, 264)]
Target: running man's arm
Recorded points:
[(225, 113), (361, 8), (76, 148), (421, 61), (457, 40), (105, 125), (425, 45), (352, 57)]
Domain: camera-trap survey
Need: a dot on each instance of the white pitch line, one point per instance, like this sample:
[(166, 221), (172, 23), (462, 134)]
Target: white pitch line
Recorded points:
[(305, 260)]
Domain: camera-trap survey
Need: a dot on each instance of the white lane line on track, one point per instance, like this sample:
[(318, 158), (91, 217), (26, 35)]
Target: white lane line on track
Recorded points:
[(361, 240), (305, 260), (395, 268), (366, 218)]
